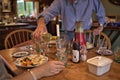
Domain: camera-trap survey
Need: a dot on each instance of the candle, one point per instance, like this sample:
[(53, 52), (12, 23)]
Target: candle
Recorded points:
[(58, 30)]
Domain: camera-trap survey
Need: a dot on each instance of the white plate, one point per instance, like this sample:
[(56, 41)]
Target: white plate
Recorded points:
[(20, 54), (31, 61), (107, 52)]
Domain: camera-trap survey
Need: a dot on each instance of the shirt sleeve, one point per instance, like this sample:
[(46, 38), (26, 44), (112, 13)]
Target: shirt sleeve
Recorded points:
[(52, 11), (100, 12), (4, 75)]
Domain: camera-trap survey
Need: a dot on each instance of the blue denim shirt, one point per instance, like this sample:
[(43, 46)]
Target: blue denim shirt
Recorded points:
[(80, 10)]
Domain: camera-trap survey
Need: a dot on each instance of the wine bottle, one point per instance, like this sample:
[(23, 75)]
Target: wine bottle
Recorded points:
[(76, 52), (76, 46)]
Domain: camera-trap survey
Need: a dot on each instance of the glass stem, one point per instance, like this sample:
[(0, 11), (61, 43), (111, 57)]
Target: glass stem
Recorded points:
[(45, 53)]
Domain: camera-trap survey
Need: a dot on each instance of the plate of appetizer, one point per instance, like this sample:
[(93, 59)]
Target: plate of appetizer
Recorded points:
[(31, 61)]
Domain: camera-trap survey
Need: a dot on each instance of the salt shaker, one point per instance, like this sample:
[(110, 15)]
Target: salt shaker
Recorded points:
[(83, 53)]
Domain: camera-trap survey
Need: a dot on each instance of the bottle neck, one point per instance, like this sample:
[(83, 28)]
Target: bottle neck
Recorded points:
[(79, 27)]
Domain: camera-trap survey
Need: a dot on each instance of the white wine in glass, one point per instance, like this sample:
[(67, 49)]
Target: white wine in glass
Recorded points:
[(46, 38)]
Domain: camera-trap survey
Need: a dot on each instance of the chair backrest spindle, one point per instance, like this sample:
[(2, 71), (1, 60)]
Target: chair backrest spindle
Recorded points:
[(99, 40), (17, 37)]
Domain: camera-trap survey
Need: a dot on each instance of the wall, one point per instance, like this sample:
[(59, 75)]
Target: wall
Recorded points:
[(11, 14), (0, 9), (111, 10)]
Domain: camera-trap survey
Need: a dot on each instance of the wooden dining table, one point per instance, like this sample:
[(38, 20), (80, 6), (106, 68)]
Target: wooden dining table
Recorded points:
[(73, 71)]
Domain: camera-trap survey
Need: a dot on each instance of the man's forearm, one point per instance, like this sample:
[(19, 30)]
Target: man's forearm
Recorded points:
[(24, 76), (41, 21)]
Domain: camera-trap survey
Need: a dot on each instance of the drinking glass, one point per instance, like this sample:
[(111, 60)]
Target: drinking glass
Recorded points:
[(46, 38), (60, 43), (43, 47), (37, 45), (117, 54), (62, 56), (61, 51)]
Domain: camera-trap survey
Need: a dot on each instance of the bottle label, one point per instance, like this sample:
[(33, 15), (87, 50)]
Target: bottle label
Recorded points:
[(75, 57)]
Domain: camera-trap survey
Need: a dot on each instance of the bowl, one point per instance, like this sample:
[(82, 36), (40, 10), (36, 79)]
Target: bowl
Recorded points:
[(99, 65)]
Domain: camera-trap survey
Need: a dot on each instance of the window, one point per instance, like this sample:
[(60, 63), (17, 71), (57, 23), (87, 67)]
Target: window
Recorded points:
[(25, 8)]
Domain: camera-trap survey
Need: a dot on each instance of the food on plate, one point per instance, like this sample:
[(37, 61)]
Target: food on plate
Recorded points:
[(105, 52), (31, 60), (54, 37), (89, 45)]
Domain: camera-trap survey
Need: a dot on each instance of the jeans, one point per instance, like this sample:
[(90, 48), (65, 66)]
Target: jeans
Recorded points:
[(69, 35)]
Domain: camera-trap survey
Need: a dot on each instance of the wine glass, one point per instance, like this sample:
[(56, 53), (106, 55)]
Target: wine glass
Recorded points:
[(46, 38), (37, 42)]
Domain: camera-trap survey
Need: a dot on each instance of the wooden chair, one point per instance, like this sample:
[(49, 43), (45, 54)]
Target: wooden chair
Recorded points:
[(98, 40), (16, 37)]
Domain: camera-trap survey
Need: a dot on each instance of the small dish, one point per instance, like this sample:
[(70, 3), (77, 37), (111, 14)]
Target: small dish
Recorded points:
[(20, 54), (107, 52), (30, 61)]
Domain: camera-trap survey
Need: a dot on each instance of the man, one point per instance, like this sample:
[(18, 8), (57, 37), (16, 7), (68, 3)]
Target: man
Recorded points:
[(70, 12), (48, 69)]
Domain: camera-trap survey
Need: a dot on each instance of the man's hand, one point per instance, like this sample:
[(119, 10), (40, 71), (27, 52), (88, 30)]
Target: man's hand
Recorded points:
[(41, 28), (98, 30), (49, 69)]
